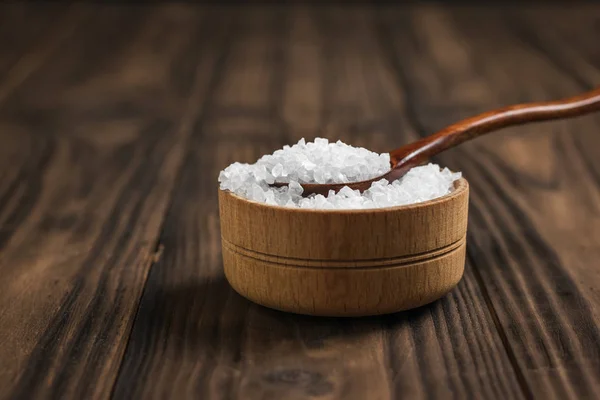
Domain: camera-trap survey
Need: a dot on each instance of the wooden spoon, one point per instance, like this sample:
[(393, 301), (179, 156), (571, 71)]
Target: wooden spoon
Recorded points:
[(414, 154)]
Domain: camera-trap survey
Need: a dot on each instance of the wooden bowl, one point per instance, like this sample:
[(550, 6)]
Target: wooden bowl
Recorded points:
[(344, 262)]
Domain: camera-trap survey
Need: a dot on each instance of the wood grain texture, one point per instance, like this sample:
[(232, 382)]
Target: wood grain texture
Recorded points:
[(111, 280), (344, 292), (22, 27), (95, 144), (29, 36), (535, 197)]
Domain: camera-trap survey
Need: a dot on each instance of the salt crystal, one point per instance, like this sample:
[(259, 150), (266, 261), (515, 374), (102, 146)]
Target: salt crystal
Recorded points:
[(277, 170), (269, 178), (324, 162), (295, 188), (257, 193), (319, 176)]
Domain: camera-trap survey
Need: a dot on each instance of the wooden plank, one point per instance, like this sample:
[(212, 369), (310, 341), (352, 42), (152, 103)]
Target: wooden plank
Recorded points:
[(97, 138), (534, 195), (194, 338), (21, 27), (562, 40), (29, 35), (567, 38)]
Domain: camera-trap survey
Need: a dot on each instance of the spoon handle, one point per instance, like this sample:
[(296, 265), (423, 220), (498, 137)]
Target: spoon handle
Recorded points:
[(470, 128)]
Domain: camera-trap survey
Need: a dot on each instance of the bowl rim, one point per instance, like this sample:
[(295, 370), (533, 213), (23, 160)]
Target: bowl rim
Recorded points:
[(461, 185)]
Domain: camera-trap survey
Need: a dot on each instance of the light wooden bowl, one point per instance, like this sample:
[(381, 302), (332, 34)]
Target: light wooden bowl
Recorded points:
[(344, 262)]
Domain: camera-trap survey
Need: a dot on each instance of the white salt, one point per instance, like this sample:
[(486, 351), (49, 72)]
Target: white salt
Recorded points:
[(324, 162)]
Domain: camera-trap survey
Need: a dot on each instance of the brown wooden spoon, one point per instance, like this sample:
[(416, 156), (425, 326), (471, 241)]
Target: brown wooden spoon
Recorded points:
[(416, 153)]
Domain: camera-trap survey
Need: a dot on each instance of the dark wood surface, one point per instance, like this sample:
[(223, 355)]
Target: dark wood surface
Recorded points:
[(116, 119)]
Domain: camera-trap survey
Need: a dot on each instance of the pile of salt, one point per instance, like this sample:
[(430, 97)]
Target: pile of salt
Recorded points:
[(324, 162)]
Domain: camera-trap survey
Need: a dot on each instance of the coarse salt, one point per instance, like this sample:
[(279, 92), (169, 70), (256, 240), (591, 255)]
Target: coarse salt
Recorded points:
[(324, 162)]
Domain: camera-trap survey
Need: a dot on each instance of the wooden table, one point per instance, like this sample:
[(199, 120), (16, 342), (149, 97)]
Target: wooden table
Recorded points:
[(116, 119)]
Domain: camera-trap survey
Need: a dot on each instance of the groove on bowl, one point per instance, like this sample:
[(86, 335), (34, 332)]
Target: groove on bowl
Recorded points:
[(344, 291)]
